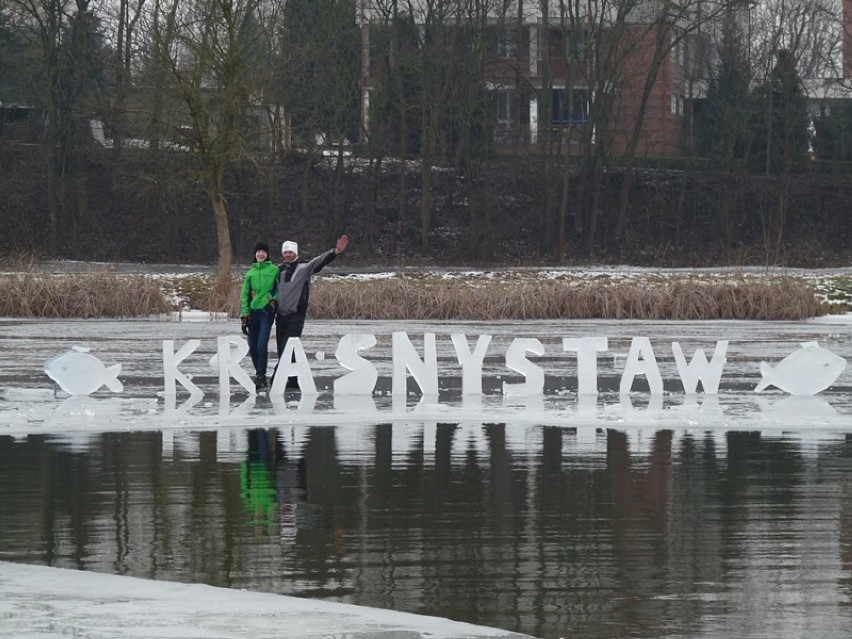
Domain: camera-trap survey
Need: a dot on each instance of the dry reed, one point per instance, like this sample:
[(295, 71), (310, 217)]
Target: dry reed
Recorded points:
[(32, 294), (79, 296), (782, 299)]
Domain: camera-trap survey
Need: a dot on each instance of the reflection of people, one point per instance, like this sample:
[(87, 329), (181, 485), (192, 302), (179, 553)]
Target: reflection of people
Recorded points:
[(294, 290), (292, 494), (257, 309), (257, 479)]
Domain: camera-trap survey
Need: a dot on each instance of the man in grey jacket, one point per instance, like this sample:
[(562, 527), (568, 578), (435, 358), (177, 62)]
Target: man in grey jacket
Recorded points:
[(294, 289)]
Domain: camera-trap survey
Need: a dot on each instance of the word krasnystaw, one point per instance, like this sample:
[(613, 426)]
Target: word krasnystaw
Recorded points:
[(406, 360)]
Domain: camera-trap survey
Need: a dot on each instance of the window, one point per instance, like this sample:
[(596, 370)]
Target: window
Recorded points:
[(678, 47), (507, 46), (677, 104), (569, 106), (576, 44), (503, 102)]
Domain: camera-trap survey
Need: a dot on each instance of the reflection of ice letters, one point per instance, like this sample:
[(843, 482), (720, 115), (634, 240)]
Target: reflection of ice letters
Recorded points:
[(351, 404), (305, 404), (173, 410), (798, 411)]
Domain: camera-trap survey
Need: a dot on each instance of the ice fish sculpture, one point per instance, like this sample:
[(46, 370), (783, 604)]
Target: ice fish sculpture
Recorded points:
[(79, 373), (807, 371)]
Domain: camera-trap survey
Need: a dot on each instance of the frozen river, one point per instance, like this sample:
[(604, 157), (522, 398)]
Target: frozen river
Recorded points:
[(552, 515), (28, 403)]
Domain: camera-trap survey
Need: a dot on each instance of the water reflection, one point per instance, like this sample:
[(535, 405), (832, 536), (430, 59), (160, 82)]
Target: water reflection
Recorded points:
[(550, 531), (257, 477)]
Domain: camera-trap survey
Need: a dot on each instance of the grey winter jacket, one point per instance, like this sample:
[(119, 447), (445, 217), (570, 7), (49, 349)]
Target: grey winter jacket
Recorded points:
[(294, 283)]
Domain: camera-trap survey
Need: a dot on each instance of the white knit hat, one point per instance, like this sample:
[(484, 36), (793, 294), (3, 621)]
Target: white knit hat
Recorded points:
[(290, 246)]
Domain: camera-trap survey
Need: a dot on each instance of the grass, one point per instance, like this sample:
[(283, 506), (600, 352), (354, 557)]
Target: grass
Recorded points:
[(478, 296)]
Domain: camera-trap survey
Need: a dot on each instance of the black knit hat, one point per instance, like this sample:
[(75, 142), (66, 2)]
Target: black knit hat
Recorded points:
[(261, 246)]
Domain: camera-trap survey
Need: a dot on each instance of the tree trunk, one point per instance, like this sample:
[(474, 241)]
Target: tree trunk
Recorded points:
[(223, 234), (428, 155)]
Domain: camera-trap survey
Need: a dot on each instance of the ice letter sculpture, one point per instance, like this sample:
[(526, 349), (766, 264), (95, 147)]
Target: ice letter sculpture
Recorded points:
[(698, 369), (293, 363), (405, 357), (362, 378), (471, 362), (807, 371), (587, 361), (230, 350), (641, 361), (516, 359), (171, 360), (79, 373)]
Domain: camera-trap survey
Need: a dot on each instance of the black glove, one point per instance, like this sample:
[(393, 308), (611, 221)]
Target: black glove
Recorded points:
[(244, 320)]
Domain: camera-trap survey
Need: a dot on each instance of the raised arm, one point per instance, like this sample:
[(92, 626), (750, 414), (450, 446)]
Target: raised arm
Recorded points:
[(341, 245)]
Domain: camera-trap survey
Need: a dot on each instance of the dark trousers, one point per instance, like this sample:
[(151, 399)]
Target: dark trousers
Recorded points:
[(287, 326), (260, 326)]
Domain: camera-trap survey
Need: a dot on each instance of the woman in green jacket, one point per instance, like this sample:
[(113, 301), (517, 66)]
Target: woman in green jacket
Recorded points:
[(260, 290)]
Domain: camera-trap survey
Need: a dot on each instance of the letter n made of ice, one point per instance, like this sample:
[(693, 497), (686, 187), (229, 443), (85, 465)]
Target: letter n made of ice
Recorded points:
[(406, 358)]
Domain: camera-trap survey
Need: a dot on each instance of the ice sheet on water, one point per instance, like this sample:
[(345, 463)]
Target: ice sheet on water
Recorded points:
[(139, 346), (77, 603), (27, 394)]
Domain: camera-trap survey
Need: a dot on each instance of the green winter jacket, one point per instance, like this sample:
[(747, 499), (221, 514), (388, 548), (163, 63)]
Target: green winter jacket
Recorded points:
[(262, 280)]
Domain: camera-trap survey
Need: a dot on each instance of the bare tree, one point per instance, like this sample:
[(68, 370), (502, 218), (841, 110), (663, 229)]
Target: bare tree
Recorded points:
[(43, 22), (127, 17), (209, 50)]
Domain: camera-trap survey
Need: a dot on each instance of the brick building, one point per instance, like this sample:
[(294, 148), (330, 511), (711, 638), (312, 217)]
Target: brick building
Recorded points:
[(580, 81)]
